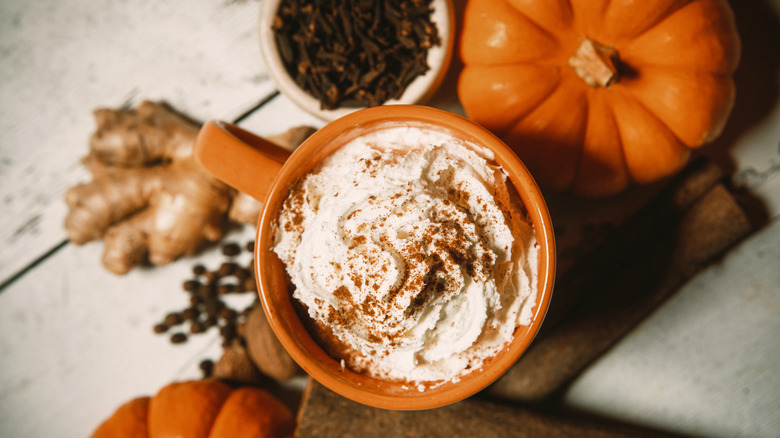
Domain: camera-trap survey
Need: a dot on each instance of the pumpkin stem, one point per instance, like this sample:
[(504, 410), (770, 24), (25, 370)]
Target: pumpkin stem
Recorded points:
[(595, 64)]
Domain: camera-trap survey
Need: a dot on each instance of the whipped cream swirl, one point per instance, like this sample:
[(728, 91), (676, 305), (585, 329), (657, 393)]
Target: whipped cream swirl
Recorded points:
[(410, 245)]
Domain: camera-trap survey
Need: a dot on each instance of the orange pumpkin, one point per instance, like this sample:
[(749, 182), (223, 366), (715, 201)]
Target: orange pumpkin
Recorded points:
[(595, 94), (200, 408)]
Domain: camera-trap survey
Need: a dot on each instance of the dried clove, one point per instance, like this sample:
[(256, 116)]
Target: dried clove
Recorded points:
[(354, 52)]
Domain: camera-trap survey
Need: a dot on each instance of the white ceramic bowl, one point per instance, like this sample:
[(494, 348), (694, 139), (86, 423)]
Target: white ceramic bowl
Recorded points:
[(417, 92)]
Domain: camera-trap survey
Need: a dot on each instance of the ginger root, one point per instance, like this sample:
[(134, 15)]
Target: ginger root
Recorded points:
[(148, 198)]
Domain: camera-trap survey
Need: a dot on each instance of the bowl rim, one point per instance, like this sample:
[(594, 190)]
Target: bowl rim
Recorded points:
[(297, 340), (419, 90)]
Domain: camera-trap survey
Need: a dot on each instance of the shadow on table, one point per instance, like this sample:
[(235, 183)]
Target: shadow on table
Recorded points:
[(756, 77)]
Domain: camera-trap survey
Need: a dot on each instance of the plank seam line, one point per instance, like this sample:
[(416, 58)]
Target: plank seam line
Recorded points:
[(259, 105), (32, 265)]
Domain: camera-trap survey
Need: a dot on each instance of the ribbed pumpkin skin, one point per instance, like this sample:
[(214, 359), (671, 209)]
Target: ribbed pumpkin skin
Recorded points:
[(129, 421), (674, 92), (200, 409)]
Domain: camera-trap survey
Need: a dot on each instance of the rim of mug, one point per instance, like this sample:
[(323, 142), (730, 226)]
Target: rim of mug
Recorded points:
[(277, 299)]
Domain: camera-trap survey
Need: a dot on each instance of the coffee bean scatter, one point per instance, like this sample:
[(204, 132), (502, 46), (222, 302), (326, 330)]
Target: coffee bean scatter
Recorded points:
[(206, 367), (231, 249), (207, 309), (178, 338)]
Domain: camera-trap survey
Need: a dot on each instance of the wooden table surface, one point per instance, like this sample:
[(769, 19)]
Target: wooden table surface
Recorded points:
[(76, 341)]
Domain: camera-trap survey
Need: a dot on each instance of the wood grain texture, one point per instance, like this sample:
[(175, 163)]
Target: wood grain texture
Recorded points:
[(77, 341), (62, 59)]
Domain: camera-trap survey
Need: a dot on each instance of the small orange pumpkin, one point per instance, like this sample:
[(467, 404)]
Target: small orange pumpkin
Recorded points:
[(200, 408), (595, 94)]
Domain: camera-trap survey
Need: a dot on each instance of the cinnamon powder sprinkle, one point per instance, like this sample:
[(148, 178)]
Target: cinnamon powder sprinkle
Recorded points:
[(419, 244)]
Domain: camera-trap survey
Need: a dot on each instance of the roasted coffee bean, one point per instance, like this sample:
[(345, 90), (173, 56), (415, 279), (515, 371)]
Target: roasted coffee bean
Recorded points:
[(197, 327), (228, 314), (207, 367), (190, 285), (210, 321), (198, 269), (227, 268), (250, 285), (160, 328), (213, 306), (206, 291), (210, 277), (173, 318), (190, 313), (228, 331), (231, 249), (178, 338), (242, 273), (250, 246)]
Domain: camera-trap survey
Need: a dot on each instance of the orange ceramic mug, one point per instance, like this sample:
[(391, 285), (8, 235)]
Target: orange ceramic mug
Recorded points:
[(266, 172)]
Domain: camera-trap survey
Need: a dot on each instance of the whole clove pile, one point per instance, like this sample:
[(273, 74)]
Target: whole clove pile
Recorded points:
[(354, 52)]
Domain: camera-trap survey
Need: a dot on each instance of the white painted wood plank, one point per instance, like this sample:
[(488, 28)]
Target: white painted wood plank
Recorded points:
[(757, 158), (61, 59), (77, 341), (707, 363)]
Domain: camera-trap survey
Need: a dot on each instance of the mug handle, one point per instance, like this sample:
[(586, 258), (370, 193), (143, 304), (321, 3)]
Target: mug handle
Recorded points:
[(239, 158)]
